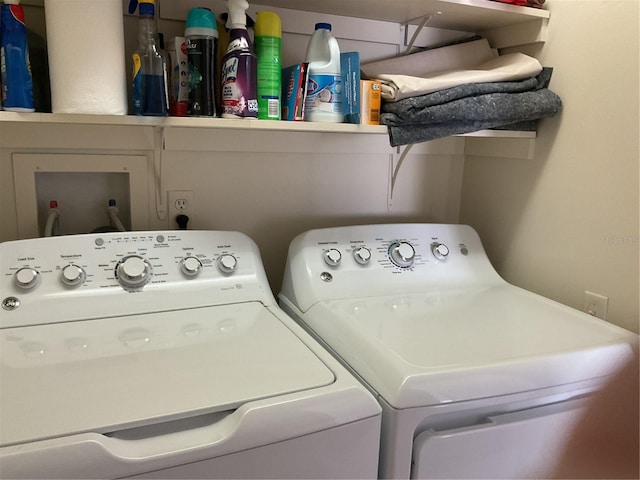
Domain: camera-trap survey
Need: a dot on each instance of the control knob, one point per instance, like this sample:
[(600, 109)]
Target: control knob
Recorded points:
[(332, 257), (402, 254), (190, 266), (439, 250), (362, 255), (227, 263), (72, 275), (133, 271), (27, 277)]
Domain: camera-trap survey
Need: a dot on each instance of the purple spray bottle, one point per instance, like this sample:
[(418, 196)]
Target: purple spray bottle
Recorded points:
[(239, 67)]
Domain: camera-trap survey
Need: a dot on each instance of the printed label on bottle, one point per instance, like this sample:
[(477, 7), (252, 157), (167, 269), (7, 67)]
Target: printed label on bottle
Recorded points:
[(235, 89), (324, 93), (136, 93)]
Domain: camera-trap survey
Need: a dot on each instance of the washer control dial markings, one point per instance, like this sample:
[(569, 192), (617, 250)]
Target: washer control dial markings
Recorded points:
[(190, 266), (362, 255), (439, 250), (133, 271), (27, 278), (332, 257), (402, 254), (227, 263), (72, 275)]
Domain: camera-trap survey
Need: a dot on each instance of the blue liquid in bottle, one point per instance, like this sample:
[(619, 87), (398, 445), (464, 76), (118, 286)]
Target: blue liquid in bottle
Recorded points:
[(153, 100)]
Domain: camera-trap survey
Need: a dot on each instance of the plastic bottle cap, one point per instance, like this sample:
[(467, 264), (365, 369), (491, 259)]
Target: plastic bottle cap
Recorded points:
[(146, 8), (201, 21), (323, 26), (268, 24)]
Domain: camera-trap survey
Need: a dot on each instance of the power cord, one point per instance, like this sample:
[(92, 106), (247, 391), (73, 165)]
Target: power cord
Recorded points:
[(182, 221)]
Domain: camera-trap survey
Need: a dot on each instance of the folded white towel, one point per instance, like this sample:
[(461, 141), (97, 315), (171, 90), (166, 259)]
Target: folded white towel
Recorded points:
[(422, 64), (510, 67)]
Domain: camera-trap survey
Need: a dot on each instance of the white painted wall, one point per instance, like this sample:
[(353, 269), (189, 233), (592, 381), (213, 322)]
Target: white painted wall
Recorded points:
[(566, 221)]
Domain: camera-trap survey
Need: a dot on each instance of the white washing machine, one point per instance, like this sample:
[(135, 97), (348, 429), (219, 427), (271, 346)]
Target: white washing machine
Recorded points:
[(477, 378), (165, 355)]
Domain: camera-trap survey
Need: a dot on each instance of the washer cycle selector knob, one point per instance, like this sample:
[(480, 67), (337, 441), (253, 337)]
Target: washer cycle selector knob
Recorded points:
[(402, 254), (227, 263), (190, 266), (332, 257), (27, 277), (439, 250), (72, 275), (362, 255), (133, 271)]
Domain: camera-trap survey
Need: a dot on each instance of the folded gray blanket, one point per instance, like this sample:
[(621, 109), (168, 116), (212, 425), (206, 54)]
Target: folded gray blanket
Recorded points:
[(469, 108)]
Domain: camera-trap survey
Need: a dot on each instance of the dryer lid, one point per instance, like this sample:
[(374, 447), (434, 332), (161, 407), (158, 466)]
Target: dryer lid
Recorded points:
[(110, 374), (443, 347)]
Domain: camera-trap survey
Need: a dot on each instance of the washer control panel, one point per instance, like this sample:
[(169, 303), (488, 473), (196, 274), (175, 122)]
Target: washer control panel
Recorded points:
[(371, 260), (88, 271)]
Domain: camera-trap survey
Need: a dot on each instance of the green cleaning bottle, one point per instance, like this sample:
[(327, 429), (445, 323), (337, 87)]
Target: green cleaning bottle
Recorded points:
[(268, 45)]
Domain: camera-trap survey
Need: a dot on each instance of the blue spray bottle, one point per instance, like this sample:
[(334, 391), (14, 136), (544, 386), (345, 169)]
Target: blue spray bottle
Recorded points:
[(150, 94), (17, 83)]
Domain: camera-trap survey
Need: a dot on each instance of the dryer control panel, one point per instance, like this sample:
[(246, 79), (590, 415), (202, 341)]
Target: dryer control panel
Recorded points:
[(373, 260), (46, 280)]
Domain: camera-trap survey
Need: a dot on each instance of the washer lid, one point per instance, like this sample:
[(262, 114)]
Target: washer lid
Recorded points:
[(427, 349), (109, 374)]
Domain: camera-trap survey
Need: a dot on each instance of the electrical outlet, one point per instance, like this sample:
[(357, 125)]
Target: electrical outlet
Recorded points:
[(180, 202), (595, 304)]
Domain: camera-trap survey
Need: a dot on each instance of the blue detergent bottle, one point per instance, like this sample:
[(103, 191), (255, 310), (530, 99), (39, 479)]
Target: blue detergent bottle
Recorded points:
[(17, 82), (150, 94)]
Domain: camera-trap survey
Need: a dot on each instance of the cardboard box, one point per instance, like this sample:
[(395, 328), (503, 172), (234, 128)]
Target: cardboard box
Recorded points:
[(294, 91), (370, 95), (350, 72)]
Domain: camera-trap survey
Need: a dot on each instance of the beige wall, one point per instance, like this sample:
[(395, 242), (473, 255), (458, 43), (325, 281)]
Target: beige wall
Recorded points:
[(566, 220)]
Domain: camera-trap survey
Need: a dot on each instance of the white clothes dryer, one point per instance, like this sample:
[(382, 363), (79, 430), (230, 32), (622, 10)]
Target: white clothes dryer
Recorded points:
[(477, 378), (165, 355)]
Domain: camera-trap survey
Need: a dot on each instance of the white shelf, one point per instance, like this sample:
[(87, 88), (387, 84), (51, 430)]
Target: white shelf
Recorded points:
[(465, 15), (220, 123), (187, 122)]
